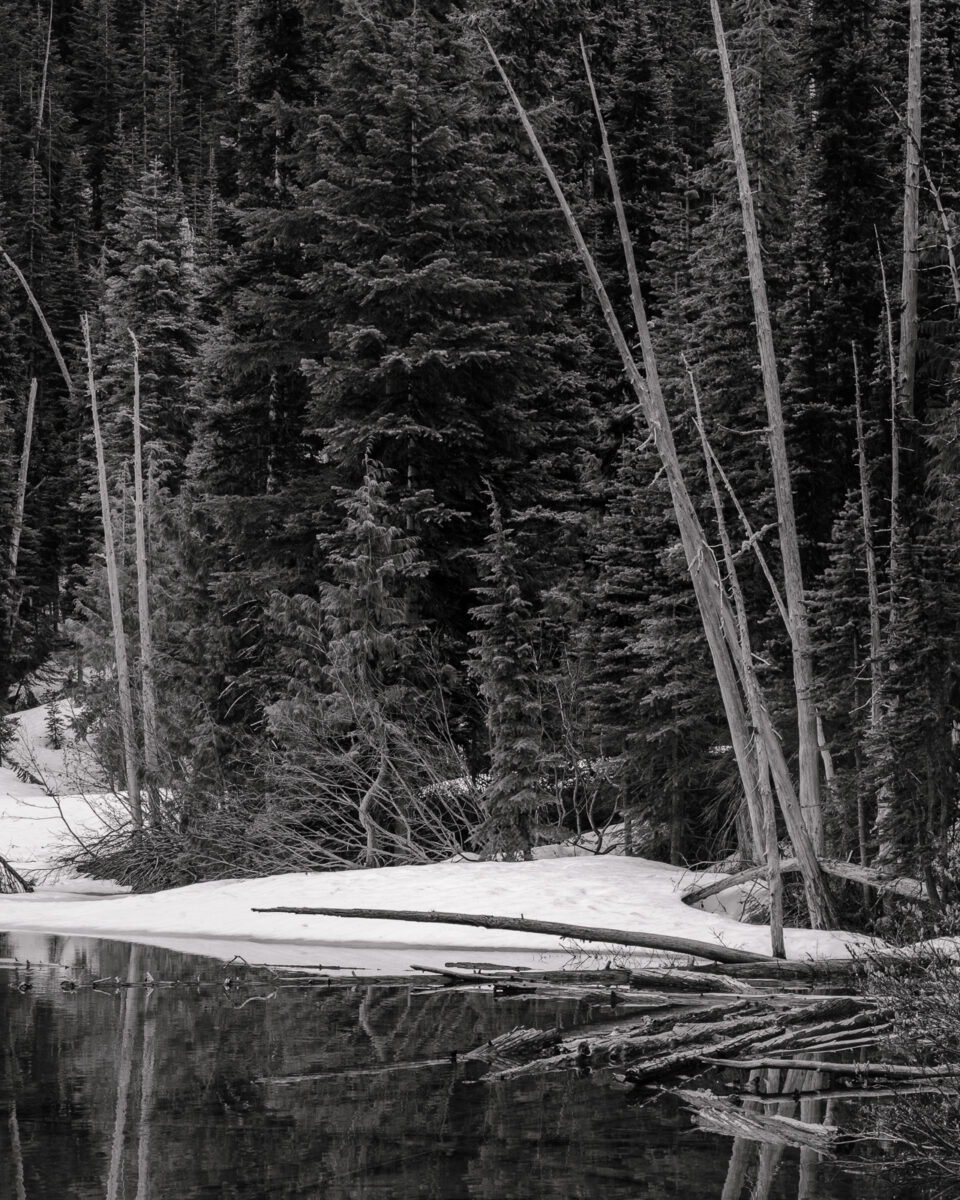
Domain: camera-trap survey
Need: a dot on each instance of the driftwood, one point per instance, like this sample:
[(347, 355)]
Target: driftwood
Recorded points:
[(868, 1092), (660, 1046), (719, 1115), (684, 980), (853, 1070), (882, 881), (582, 933)]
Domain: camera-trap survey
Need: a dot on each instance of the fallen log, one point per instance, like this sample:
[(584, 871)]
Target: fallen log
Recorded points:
[(680, 1043), (670, 980), (868, 1092), (580, 933), (882, 881), (853, 1070), (544, 989), (719, 1115)]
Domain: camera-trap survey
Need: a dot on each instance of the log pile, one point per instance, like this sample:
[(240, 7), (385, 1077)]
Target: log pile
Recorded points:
[(694, 1021)]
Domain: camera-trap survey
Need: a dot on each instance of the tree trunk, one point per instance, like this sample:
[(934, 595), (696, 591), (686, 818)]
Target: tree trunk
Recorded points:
[(127, 726), (754, 700), (909, 281), (20, 503), (809, 751), (151, 756)]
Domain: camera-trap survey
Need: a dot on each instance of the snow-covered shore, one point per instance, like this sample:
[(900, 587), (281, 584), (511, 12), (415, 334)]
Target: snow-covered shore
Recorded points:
[(215, 918), (611, 892)]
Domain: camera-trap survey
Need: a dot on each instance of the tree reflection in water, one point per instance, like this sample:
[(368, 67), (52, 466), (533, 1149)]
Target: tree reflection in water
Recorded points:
[(175, 1093)]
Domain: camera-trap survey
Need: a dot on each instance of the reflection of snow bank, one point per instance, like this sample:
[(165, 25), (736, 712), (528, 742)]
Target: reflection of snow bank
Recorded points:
[(621, 893)]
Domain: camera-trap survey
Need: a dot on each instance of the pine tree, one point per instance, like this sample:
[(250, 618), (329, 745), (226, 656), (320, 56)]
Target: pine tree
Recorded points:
[(354, 712), (253, 469), (654, 713), (505, 666), (437, 319)]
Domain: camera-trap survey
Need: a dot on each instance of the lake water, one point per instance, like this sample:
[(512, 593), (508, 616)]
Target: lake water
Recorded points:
[(176, 1093)]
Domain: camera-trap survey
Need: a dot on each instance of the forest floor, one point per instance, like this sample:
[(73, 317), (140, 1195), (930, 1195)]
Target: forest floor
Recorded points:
[(215, 918)]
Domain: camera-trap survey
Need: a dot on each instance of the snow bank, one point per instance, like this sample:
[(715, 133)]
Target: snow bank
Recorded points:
[(622, 893), (216, 918)]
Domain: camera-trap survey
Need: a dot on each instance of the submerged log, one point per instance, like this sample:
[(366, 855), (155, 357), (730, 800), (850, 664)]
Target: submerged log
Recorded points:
[(580, 933)]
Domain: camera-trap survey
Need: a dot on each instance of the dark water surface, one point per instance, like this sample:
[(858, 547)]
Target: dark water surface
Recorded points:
[(171, 1093)]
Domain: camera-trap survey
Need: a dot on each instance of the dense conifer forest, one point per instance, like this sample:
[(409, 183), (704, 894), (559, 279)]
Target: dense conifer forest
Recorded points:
[(398, 561)]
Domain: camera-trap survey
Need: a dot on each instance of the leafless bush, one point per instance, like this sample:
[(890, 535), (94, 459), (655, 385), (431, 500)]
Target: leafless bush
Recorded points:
[(918, 1129)]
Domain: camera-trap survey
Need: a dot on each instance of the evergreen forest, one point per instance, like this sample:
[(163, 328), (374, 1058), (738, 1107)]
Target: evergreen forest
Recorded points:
[(357, 538)]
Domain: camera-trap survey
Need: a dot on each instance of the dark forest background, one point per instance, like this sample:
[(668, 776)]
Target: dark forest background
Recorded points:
[(415, 579)]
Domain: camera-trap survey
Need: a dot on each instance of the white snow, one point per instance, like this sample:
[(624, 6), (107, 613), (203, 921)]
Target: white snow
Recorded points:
[(216, 919)]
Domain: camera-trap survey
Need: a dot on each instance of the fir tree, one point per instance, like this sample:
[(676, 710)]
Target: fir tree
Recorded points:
[(505, 666)]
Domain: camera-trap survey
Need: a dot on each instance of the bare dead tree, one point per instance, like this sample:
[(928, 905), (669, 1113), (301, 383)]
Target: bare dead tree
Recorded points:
[(753, 694), (873, 595), (127, 726), (21, 498), (151, 754), (804, 686)]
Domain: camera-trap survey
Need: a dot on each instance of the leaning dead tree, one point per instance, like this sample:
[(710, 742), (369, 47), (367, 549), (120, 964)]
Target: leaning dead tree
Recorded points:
[(127, 726), (713, 601), (19, 505), (801, 645)]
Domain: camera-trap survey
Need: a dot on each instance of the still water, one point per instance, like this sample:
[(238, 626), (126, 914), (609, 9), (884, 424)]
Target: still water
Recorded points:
[(175, 1093)]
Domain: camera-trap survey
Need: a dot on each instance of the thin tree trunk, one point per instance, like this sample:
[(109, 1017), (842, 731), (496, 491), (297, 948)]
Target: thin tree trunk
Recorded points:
[(151, 757), (754, 701), (35, 303), (43, 79), (127, 726), (885, 797), (20, 505), (366, 808), (873, 588), (808, 746), (909, 281), (894, 440)]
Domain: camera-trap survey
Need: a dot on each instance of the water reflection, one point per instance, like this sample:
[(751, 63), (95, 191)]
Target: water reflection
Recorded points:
[(207, 1090)]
